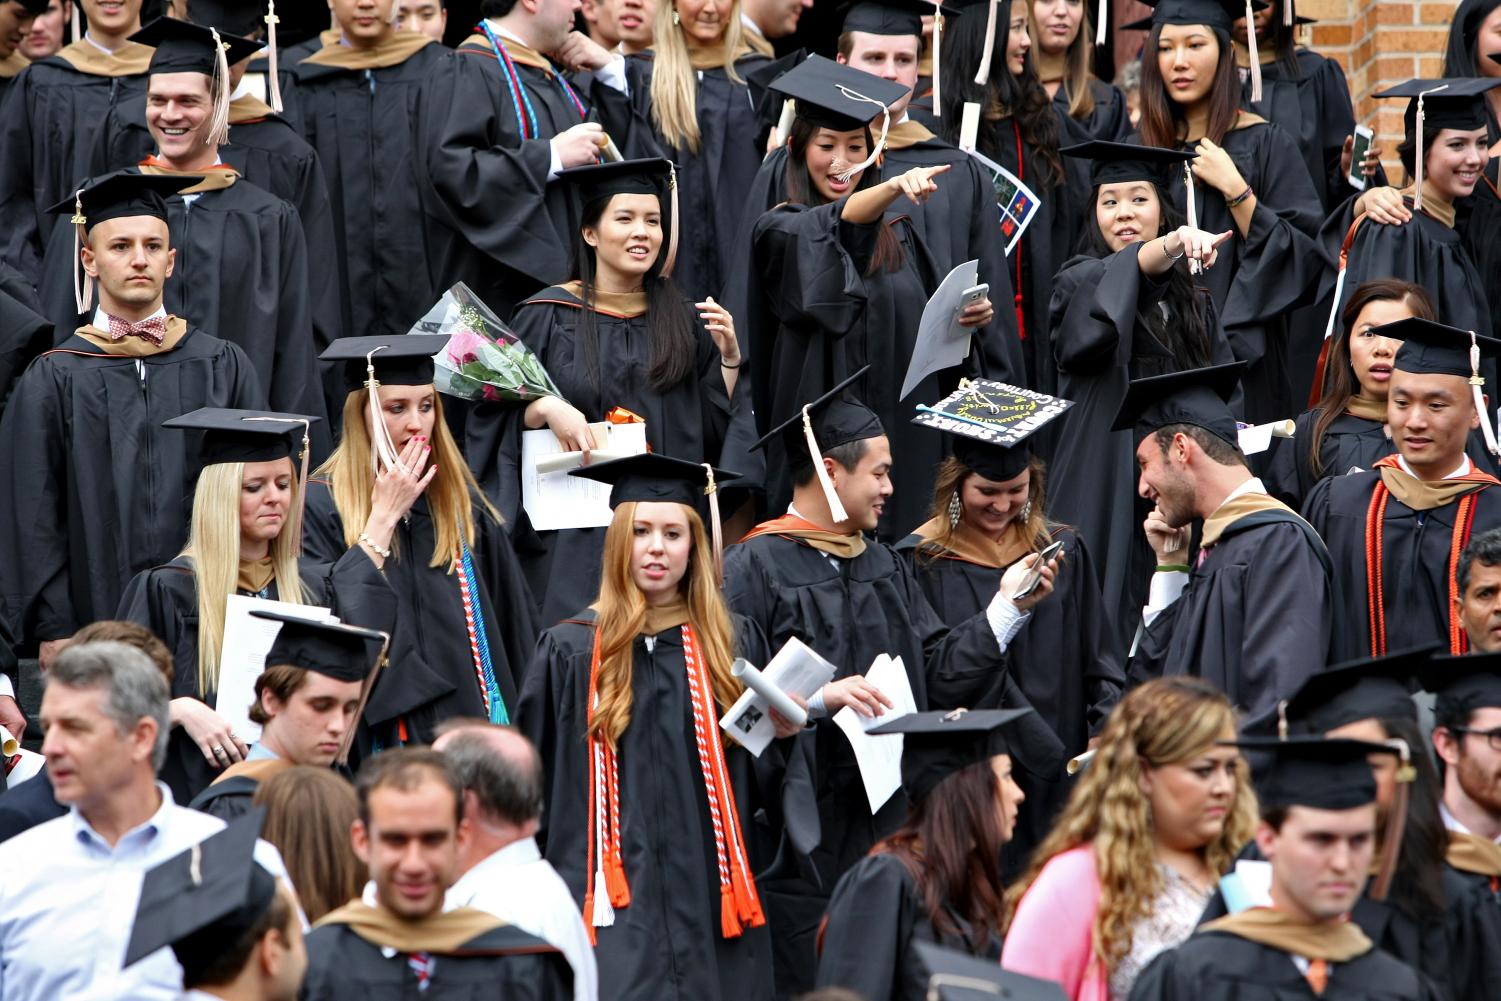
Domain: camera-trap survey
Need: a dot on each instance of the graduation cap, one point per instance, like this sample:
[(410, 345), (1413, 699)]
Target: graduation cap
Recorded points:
[(835, 418), (1314, 771), (1430, 348), (202, 900), (834, 96), (1462, 684), (245, 18), (958, 976), (1345, 693), (35, 8), (1199, 397), (1116, 163), (332, 649), (1220, 15), (891, 17), (397, 360), (991, 423), (650, 176), (655, 477), (1453, 103), (940, 743)]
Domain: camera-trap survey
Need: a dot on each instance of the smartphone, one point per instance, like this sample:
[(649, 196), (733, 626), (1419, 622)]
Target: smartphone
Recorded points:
[(972, 296), (1363, 137), (1035, 577)]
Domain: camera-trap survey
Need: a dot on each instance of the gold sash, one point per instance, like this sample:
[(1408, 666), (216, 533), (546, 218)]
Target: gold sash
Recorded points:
[(248, 108), (967, 544), (260, 769), (254, 575), (844, 547), (214, 178), (13, 64), (1234, 510), (1243, 120), (1425, 495), (622, 304), (443, 933), (519, 53), (1434, 204), (130, 59), (1331, 941), (714, 58), (1470, 853), (1366, 408), (905, 134), (393, 50), (135, 347)]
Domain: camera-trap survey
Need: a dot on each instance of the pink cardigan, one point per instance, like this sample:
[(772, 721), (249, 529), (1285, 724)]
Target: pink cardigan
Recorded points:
[(1051, 934)]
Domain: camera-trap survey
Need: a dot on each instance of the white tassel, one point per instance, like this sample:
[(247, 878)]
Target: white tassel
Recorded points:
[(273, 83), (716, 533), (77, 22), (880, 145), (1255, 56), (672, 226), (396, 12), (1477, 387), (1288, 12), (1417, 156), (383, 449), (1194, 267), (983, 74), (218, 129), (937, 57), (1099, 28), (83, 282), (1339, 291), (836, 509)]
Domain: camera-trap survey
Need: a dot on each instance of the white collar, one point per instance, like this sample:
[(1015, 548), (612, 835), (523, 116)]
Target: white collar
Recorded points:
[(499, 29), (88, 37), (746, 20), (1452, 823), (1252, 485), (101, 318), (1464, 467), (156, 823)]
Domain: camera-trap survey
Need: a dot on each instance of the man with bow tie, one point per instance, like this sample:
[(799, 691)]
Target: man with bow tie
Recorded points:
[(92, 488)]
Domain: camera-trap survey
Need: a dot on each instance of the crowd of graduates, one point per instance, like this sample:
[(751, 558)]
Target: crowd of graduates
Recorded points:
[(1186, 553)]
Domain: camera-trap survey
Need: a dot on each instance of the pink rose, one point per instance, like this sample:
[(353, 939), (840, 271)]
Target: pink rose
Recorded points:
[(464, 347)]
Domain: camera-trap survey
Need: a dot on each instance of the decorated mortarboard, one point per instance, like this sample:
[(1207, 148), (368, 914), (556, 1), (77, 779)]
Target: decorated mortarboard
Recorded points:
[(940, 743), (1119, 163), (1462, 684), (200, 902), (649, 176), (1220, 15), (835, 418), (655, 477), (1452, 103), (1355, 690), (834, 96), (333, 649), (957, 976), (244, 435), (246, 18), (991, 422), (1430, 348), (1314, 771), (1199, 397)]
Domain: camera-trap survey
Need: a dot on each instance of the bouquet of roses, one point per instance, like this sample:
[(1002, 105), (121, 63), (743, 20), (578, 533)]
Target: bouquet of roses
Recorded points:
[(483, 360)]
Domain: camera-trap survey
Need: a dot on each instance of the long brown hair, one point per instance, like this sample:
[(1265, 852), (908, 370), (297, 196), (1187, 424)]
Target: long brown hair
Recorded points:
[(1162, 119), (798, 184), (1034, 533), (1340, 384), (621, 615), (951, 844), (1162, 722), (1078, 64), (308, 815)]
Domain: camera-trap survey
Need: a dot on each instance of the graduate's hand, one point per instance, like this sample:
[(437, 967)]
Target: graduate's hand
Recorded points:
[(1214, 167), (579, 53), (398, 487), (48, 650), (917, 184), (1384, 205), (221, 747), (977, 313), (579, 145), (567, 424), (781, 725), (1169, 543), (1197, 244), (12, 718), (1016, 576), (857, 693), (1368, 166), (721, 326)]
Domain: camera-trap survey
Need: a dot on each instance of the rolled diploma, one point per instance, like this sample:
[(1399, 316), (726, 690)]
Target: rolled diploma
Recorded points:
[(1078, 761), (8, 744), (774, 696)]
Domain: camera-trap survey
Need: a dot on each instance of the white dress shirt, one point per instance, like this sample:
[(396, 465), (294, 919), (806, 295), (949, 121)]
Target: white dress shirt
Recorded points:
[(68, 903), (1451, 823)]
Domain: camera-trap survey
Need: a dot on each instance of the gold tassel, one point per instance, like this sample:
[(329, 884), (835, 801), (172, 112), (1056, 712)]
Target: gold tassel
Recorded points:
[(716, 527), (83, 282)]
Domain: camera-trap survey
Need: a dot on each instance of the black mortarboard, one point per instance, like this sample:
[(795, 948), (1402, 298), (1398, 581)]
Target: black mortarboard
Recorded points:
[(242, 17), (1452, 103), (957, 976), (940, 743), (185, 47), (123, 194), (1345, 693), (332, 649), (889, 17), (1198, 397), (1313, 771), (991, 423), (1221, 14), (1117, 163), (202, 900), (837, 417), (244, 435), (654, 477), (822, 89), (1430, 348), (399, 360), (1462, 684), (620, 177)]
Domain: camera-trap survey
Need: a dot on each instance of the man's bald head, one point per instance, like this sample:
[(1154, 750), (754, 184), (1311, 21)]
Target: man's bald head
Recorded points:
[(499, 767)]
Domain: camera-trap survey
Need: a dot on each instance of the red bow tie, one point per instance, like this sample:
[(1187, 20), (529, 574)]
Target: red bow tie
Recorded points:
[(153, 329)]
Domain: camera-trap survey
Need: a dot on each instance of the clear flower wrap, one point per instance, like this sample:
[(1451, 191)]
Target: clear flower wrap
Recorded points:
[(483, 360)]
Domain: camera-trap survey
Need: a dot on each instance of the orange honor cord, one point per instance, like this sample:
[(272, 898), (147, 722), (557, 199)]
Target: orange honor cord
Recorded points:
[(1375, 600)]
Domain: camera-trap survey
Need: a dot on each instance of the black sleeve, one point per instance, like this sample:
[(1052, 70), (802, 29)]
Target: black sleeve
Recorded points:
[(810, 275), (1092, 315), (868, 929)]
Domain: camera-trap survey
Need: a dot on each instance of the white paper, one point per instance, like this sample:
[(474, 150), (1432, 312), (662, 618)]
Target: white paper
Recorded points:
[(247, 640), (941, 342), (573, 460), (969, 126), (1018, 204), (1248, 885), (554, 499), (796, 670), (774, 696), (880, 758), (1257, 438)]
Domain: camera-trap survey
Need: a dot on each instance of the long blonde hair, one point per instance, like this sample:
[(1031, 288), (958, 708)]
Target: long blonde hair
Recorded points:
[(622, 615), (450, 495), (1078, 64), (1165, 721), (213, 548), (674, 81)]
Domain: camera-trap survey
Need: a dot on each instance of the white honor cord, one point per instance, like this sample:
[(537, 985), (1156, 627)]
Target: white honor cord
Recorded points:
[(1099, 28)]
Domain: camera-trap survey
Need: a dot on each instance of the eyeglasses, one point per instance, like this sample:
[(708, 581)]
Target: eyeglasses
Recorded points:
[(1492, 737)]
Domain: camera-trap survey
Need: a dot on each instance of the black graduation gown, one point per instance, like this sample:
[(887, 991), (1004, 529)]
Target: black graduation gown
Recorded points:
[(1416, 568), (24, 330), (1260, 279), (875, 917), (366, 129), (1218, 966), (504, 229), (831, 317), (46, 125), (430, 671), (667, 943), (242, 273), (504, 963), (94, 489), (1350, 443), (1473, 923), (1478, 220), (1255, 618), (1067, 660), (687, 422), (1109, 120), (1100, 343), (1313, 107), (713, 181), (164, 599)]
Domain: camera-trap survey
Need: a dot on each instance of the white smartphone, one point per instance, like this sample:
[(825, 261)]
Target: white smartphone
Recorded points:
[(1035, 577), (1363, 138), (972, 296)]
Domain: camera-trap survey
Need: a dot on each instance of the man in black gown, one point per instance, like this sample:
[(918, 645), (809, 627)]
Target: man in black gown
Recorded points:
[(1252, 616), (1318, 830), (92, 488), (811, 574), (1428, 500)]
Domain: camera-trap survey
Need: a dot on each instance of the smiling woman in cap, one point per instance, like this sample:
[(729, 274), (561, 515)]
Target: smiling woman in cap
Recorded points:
[(244, 537), (649, 807)]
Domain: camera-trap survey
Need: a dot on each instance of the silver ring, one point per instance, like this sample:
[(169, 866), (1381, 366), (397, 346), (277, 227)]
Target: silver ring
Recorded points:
[(218, 750)]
